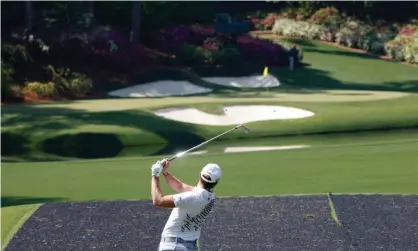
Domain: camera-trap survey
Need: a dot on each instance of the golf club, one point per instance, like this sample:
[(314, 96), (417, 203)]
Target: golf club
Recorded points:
[(209, 140)]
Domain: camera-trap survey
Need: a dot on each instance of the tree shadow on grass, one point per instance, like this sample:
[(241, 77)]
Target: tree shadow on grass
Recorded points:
[(300, 41), (8, 201), (95, 144), (84, 145), (319, 80), (13, 144)]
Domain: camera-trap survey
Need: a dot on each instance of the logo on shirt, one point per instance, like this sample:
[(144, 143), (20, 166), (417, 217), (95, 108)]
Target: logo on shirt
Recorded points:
[(194, 223)]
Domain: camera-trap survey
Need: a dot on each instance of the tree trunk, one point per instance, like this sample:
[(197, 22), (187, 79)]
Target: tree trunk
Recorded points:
[(136, 21), (28, 15)]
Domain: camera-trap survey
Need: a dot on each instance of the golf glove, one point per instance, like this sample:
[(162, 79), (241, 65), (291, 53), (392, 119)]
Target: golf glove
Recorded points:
[(157, 168)]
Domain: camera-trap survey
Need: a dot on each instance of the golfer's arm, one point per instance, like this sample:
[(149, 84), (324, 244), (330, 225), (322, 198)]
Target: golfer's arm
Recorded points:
[(176, 184), (158, 199)]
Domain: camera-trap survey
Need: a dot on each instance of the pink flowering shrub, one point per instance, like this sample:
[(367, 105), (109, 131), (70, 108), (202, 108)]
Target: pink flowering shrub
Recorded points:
[(268, 21), (408, 30), (202, 45), (262, 51), (113, 50), (173, 38)]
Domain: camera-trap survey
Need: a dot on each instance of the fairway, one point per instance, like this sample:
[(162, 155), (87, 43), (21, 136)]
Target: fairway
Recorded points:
[(347, 167)]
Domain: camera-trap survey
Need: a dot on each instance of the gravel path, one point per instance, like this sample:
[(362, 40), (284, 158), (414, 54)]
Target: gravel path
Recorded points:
[(379, 222), (253, 223)]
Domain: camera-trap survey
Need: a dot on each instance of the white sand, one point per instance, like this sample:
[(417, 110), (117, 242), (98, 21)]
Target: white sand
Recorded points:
[(160, 89), (234, 115), (261, 148), (197, 152), (258, 81)]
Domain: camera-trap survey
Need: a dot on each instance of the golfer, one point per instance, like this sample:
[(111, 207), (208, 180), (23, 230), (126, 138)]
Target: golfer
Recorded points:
[(191, 205)]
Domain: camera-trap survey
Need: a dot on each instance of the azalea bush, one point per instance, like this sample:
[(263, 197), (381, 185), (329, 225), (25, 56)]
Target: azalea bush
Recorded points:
[(403, 48), (350, 33), (172, 38), (374, 40), (40, 89), (326, 16), (292, 28), (262, 51), (119, 59), (268, 22), (198, 55), (411, 50), (67, 82), (111, 50), (409, 30)]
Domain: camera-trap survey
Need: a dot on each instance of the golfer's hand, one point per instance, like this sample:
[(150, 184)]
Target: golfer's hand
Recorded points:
[(166, 165), (157, 168)]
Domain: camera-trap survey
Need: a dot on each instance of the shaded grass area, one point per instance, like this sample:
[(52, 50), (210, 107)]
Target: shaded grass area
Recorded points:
[(12, 218), (341, 168), (8, 201)]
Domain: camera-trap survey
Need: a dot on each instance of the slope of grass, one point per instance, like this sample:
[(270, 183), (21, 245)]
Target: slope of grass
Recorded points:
[(12, 218)]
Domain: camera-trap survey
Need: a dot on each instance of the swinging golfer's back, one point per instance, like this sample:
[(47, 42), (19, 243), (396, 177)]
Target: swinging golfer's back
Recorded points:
[(186, 220), (191, 206)]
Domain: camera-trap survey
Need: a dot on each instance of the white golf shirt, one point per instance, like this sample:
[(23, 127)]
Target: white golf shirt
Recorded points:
[(187, 217)]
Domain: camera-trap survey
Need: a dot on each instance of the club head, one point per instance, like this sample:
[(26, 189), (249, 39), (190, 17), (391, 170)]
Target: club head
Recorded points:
[(246, 130)]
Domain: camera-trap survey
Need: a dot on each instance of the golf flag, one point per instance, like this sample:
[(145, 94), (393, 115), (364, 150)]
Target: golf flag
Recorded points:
[(266, 71)]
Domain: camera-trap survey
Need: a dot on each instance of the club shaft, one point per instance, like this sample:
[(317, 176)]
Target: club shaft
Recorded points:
[(207, 141)]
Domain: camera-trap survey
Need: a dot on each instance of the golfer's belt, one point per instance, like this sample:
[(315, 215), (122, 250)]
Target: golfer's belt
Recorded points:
[(176, 240)]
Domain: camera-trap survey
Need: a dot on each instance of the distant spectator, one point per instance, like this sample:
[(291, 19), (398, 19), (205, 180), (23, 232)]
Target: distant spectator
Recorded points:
[(293, 56)]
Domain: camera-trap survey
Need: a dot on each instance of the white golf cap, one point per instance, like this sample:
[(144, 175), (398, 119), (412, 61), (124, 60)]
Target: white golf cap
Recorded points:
[(213, 171)]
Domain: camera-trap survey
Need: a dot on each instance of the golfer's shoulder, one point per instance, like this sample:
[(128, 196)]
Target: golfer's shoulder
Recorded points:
[(201, 194)]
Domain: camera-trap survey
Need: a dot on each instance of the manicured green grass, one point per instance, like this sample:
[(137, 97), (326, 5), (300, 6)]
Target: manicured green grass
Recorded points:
[(12, 218), (383, 167), (331, 67)]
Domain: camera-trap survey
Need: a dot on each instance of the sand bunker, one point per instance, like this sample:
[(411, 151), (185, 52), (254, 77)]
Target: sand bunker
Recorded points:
[(160, 89), (234, 114), (241, 149), (259, 81)]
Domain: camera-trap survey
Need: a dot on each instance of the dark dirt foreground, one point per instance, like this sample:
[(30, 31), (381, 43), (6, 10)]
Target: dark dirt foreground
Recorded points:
[(283, 223), (379, 222)]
